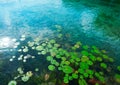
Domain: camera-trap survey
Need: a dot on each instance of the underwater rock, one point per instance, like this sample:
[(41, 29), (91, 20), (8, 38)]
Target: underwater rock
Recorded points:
[(93, 81)]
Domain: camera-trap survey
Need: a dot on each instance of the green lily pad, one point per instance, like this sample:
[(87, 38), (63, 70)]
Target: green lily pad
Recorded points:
[(66, 80), (99, 59), (51, 67), (84, 58), (118, 68), (30, 44), (52, 41), (91, 72), (43, 44), (117, 78), (81, 71), (56, 64), (12, 82), (89, 62), (75, 76), (67, 69), (103, 65), (111, 59), (85, 75), (105, 56), (25, 78), (85, 53), (70, 78), (39, 48), (93, 58), (49, 58), (86, 47), (84, 65), (43, 52), (67, 62)]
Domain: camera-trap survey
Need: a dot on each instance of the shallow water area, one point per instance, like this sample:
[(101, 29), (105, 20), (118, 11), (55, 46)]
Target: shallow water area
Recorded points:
[(93, 22)]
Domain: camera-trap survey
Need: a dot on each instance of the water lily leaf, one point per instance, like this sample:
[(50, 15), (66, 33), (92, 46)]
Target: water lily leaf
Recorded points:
[(25, 78), (75, 76), (84, 65), (51, 67), (103, 65), (85, 53), (12, 82), (67, 69)]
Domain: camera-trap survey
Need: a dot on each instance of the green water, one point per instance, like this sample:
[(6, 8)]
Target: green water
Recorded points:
[(93, 22)]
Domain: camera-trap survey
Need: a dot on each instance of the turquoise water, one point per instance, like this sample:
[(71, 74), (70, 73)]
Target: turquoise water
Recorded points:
[(92, 23)]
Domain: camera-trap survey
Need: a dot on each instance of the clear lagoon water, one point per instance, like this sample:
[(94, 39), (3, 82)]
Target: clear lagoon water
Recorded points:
[(93, 22)]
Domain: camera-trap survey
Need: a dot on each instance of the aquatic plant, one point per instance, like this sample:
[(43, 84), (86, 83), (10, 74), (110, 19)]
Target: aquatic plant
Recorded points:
[(118, 68), (79, 62), (117, 78), (12, 82)]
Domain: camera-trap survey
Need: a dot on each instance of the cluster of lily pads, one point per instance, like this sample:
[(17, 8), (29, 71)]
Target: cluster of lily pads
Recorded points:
[(77, 62), (80, 62)]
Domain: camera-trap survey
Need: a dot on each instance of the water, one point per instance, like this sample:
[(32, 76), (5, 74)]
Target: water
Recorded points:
[(92, 23)]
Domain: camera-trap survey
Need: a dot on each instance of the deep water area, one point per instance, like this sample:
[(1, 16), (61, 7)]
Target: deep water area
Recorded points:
[(68, 23)]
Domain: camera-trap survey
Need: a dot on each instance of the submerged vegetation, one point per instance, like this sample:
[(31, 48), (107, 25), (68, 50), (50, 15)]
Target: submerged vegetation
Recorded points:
[(49, 62)]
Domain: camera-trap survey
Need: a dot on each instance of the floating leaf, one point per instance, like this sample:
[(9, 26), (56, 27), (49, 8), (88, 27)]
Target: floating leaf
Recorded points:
[(84, 65), (13, 82), (66, 80), (39, 48), (25, 49), (103, 65), (75, 76), (25, 78), (52, 41), (67, 69), (85, 47), (81, 71), (89, 62), (84, 58), (85, 53), (51, 67), (93, 58), (118, 68), (86, 75), (99, 59), (117, 78), (49, 58), (43, 52), (30, 44)]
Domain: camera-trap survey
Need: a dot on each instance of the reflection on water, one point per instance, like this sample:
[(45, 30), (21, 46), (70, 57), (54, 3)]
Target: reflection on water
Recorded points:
[(95, 20)]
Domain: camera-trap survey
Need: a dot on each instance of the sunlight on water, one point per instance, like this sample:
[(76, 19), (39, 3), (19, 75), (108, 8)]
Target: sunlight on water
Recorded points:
[(87, 18), (7, 42)]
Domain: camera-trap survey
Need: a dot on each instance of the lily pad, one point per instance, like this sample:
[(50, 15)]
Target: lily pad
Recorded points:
[(51, 67), (13, 82), (25, 78), (67, 69), (103, 65)]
